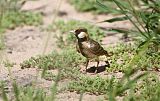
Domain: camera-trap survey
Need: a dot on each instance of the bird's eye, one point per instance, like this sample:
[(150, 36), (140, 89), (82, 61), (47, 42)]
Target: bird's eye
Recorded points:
[(77, 31)]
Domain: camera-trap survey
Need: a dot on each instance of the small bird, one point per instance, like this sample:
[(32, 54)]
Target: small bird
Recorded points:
[(88, 47)]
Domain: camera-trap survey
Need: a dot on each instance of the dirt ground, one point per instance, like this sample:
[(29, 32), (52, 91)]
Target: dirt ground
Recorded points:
[(24, 42)]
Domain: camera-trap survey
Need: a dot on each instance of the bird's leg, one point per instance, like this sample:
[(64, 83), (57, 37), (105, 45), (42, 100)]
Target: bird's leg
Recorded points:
[(107, 63), (87, 61), (97, 65)]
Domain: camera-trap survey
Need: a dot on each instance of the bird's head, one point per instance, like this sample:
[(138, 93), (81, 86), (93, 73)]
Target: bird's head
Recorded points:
[(81, 33)]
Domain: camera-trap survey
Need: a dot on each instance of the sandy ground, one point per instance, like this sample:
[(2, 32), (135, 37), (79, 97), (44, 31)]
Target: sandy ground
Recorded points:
[(24, 42)]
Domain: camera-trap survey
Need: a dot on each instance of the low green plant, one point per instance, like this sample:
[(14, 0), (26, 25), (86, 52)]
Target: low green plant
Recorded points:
[(66, 38), (123, 54), (54, 60), (111, 87), (3, 90), (29, 93), (147, 89), (7, 63), (14, 19), (124, 85), (11, 17), (95, 85), (89, 5), (68, 61), (12, 5), (33, 94)]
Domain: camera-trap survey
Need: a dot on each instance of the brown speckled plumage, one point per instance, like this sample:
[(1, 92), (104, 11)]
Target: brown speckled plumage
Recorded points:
[(88, 47)]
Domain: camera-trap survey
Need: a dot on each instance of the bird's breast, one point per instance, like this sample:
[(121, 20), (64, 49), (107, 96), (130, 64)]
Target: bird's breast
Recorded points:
[(86, 45), (84, 48)]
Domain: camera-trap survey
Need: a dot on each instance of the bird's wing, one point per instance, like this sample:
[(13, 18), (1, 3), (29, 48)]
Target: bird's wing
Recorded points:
[(96, 48)]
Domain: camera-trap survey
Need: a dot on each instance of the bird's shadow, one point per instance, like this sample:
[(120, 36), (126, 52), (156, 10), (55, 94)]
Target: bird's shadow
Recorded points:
[(99, 69)]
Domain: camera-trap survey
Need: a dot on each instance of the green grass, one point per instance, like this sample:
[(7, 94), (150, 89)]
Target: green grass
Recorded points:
[(68, 61), (64, 59), (29, 93), (33, 94), (66, 38), (142, 89), (146, 90), (94, 85), (13, 19), (144, 19), (122, 55), (138, 82), (128, 87), (91, 6)]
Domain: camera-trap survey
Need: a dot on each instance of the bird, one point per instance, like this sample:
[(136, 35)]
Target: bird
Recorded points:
[(88, 47)]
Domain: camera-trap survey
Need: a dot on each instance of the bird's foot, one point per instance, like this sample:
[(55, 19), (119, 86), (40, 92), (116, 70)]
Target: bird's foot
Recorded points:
[(96, 71), (107, 63)]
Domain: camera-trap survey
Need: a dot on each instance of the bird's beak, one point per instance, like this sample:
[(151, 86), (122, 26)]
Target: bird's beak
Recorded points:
[(72, 31)]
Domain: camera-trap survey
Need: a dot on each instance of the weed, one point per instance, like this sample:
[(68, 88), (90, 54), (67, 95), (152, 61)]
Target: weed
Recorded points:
[(33, 94), (3, 91), (66, 60), (7, 63), (25, 94), (90, 5), (145, 21), (94, 85), (11, 17), (147, 89), (123, 54), (14, 19), (112, 87), (126, 58)]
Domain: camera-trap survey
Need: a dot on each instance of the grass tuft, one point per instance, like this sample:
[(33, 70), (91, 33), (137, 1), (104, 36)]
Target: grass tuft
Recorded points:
[(94, 85), (90, 5)]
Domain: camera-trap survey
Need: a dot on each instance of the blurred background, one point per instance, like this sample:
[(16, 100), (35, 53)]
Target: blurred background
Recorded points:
[(39, 61)]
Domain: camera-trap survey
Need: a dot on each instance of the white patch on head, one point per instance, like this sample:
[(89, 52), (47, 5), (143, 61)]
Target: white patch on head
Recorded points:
[(82, 35)]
